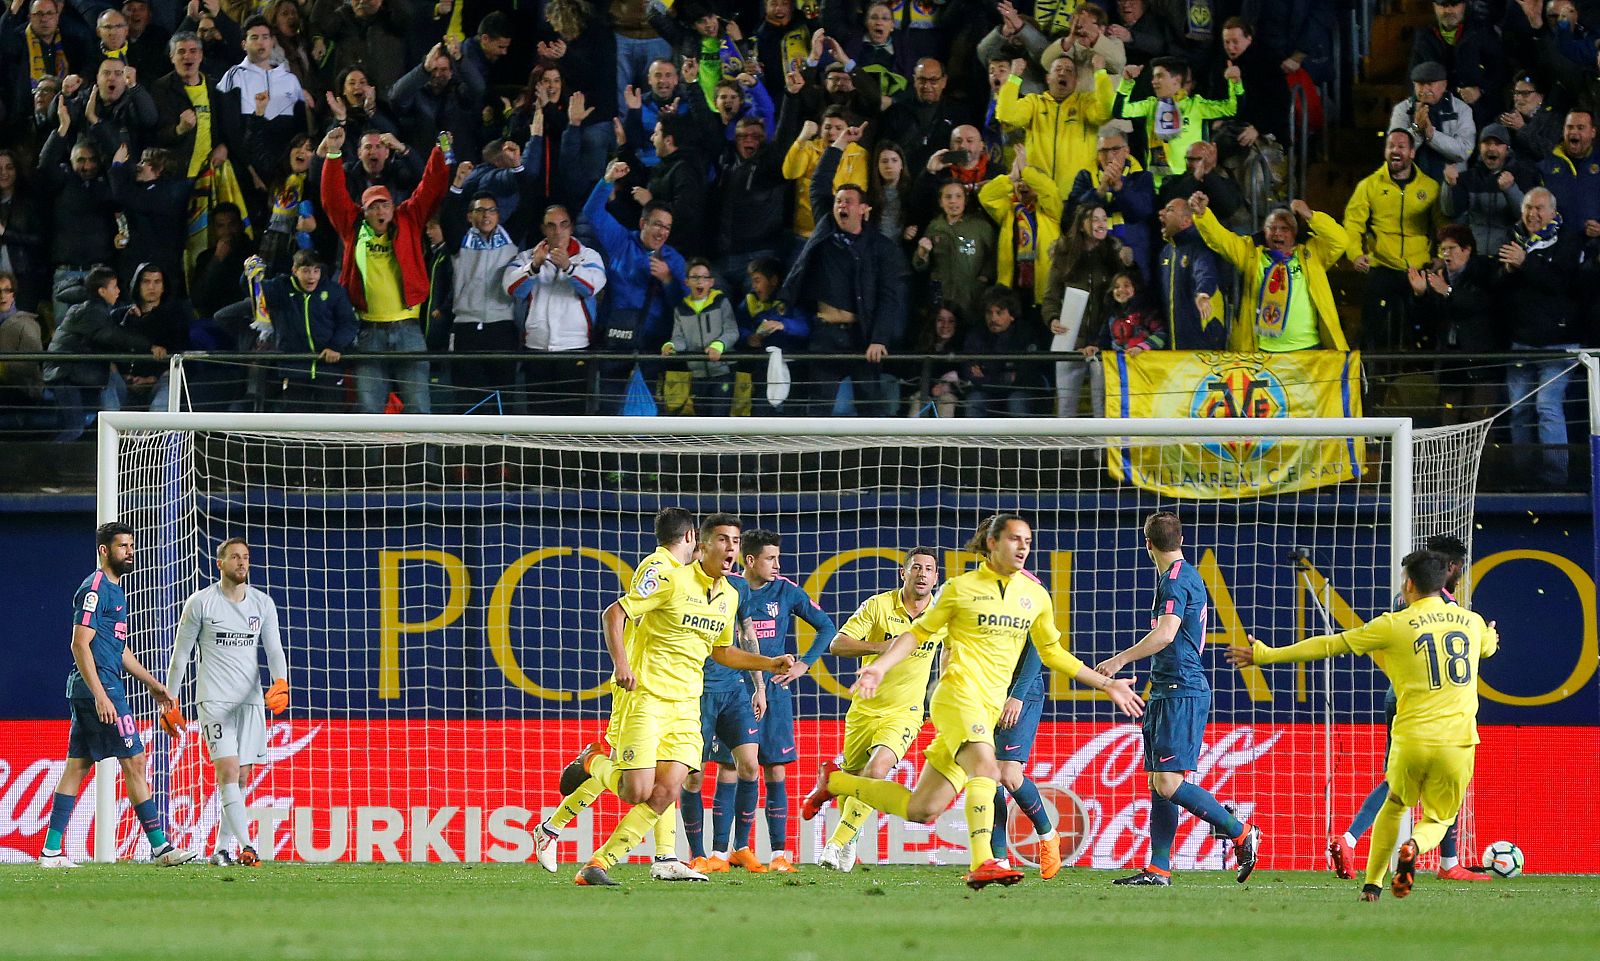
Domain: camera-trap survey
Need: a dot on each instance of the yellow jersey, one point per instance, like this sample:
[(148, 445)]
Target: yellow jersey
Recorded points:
[(682, 615), (1430, 651), (648, 574), (883, 617), (989, 618)]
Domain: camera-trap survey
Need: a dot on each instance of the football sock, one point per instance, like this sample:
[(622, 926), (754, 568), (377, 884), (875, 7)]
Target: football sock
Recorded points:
[(886, 796), (693, 814), (1369, 809), (1447, 846), (60, 813), (778, 815), (627, 835), (852, 815), (1385, 835), (722, 815), (605, 770), (997, 840), (234, 822), (1428, 834), (1163, 829), (573, 804), (666, 832), (1199, 802), (1027, 797), (745, 797), (980, 819), (150, 820)]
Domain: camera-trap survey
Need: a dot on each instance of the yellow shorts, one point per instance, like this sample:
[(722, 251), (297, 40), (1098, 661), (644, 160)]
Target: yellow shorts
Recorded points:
[(619, 700), (1434, 776), (958, 720), (864, 733), (649, 730)]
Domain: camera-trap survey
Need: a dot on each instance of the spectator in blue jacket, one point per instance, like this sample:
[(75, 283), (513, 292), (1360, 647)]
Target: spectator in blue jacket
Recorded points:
[(1190, 278), (645, 277), (1124, 189), (1573, 176), (309, 315)]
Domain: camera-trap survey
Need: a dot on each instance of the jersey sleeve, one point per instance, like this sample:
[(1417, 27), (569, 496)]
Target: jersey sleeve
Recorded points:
[(85, 606), (944, 608), (277, 663), (183, 644), (725, 639), (1491, 640), (813, 614), (1047, 638), (649, 591), (1317, 648), (859, 626), (1028, 667)]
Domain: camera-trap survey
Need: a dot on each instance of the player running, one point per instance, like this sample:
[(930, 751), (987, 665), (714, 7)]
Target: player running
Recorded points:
[(228, 622), (676, 537), (879, 730), (991, 612), (102, 721), (1180, 699), (1430, 651), (684, 617), (1342, 850)]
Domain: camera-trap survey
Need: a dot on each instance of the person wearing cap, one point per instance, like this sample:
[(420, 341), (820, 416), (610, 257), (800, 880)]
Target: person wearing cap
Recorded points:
[(1441, 124), (1390, 220), (384, 272), (1470, 51), (1487, 196)]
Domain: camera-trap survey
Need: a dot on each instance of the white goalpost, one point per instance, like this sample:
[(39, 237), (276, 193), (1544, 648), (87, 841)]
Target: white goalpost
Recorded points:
[(440, 581)]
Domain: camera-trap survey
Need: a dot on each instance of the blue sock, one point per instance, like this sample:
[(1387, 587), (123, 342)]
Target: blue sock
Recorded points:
[(1163, 829), (1447, 844), (1027, 797), (997, 837), (1368, 812), (692, 812), (150, 820), (778, 815), (722, 816), (61, 806), (1199, 802), (744, 812)]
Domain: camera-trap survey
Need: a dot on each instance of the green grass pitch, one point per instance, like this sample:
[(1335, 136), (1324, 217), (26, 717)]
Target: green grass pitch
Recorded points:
[(512, 911)]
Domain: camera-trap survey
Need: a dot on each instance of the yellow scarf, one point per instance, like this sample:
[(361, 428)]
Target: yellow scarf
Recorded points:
[(38, 69)]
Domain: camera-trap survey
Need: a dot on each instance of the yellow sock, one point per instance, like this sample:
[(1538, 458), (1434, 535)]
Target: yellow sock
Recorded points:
[(852, 815), (1428, 834), (573, 804), (886, 796), (604, 770), (627, 835), (980, 819), (667, 833), (1385, 835)]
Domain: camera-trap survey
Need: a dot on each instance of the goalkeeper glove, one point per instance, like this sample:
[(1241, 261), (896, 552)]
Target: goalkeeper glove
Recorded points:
[(172, 720), (278, 695)]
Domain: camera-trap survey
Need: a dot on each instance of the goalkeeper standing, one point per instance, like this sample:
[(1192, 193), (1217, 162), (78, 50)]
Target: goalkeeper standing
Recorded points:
[(228, 621)]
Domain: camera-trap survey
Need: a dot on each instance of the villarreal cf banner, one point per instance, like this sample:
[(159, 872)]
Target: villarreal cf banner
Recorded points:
[(1188, 384)]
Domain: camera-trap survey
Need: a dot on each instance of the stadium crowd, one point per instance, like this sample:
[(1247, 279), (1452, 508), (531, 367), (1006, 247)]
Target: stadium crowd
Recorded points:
[(713, 178)]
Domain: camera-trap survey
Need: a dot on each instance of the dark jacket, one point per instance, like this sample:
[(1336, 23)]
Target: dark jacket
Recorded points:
[(167, 325), (1468, 317), (89, 328), (679, 181), (1188, 267), (638, 308), (1134, 204), (424, 111), (1541, 297), (751, 199), (1477, 201), (158, 219), (85, 205), (1474, 60), (171, 101), (881, 271), (922, 129), (309, 322), (377, 43), (990, 374)]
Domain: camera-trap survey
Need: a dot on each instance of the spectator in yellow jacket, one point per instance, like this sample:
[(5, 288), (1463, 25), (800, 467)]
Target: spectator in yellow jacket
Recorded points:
[(1286, 302), (802, 158), (1060, 124), (1391, 219), (1026, 206)]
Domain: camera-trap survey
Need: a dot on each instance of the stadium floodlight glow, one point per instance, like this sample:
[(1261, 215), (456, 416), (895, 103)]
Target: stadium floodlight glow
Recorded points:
[(440, 579)]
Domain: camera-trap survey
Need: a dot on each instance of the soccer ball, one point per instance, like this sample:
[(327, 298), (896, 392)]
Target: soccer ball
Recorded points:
[(1503, 859)]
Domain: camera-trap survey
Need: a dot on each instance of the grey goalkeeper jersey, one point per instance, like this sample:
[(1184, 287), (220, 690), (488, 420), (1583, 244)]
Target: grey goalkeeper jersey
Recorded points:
[(223, 636)]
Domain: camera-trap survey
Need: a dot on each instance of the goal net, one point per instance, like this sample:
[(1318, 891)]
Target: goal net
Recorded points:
[(440, 580)]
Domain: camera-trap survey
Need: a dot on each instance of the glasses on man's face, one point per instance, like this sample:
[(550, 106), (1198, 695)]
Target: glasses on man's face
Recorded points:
[(1448, 248), (485, 210), (6, 291), (1523, 93), (658, 225)]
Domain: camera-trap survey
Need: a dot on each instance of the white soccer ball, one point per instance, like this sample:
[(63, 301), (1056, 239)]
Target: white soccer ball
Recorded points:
[(1503, 859)]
